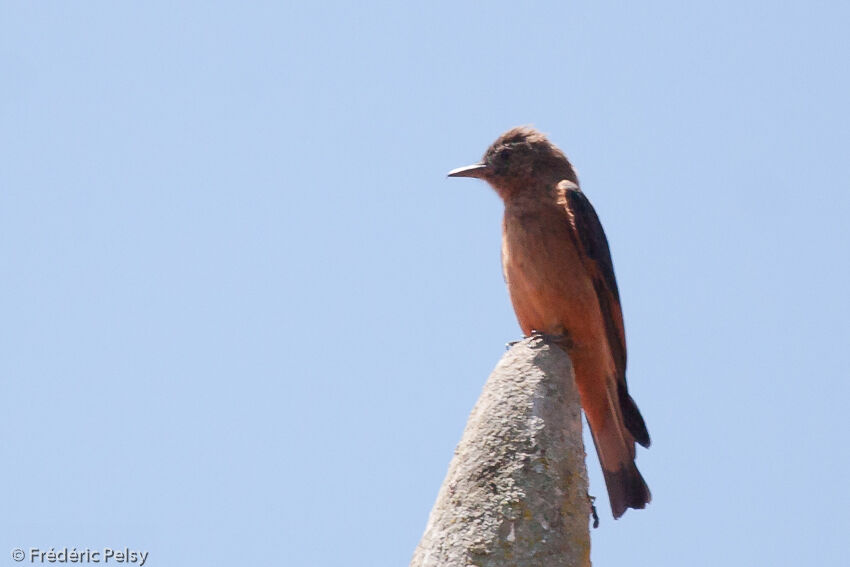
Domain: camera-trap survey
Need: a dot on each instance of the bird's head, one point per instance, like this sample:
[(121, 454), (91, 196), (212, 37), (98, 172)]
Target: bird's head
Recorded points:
[(520, 160)]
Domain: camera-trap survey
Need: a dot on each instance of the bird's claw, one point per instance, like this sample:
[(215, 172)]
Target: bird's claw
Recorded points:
[(562, 339), (559, 339)]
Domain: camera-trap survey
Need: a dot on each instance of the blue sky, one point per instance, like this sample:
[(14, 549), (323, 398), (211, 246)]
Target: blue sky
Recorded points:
[(245, 315)]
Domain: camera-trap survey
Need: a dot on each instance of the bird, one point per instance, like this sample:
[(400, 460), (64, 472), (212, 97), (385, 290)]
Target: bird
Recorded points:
[(557, 266)]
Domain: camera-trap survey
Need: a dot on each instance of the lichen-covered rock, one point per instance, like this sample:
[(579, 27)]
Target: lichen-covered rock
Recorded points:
[(516, 490)]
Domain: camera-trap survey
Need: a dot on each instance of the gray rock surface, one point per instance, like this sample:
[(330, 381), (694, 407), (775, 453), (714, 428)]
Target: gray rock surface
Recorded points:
[(516, 490)]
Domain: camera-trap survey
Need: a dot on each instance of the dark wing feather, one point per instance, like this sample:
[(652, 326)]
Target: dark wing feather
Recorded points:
[(591, 241)]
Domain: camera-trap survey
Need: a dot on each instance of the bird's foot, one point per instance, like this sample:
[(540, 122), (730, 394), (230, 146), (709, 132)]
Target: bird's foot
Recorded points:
[(561, 339)]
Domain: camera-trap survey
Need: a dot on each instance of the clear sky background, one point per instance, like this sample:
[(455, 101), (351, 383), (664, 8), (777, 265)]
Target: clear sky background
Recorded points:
[(245, 315)]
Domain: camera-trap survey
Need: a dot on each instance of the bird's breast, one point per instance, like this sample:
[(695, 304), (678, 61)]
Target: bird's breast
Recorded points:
[(549, 287)]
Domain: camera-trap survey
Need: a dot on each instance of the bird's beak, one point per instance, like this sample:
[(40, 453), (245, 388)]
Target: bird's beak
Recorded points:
[(478, 170)]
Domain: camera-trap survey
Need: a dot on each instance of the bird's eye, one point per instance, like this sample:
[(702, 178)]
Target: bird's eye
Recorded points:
[(503, 156)]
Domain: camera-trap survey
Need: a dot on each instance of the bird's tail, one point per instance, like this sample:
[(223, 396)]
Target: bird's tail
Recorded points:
[(626, 488), (615, 445)]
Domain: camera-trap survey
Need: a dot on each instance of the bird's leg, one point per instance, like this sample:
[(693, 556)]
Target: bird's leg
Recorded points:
[(561, 339)]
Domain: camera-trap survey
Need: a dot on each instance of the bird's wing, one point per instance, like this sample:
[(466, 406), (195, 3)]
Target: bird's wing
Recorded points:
[(590, 240)]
